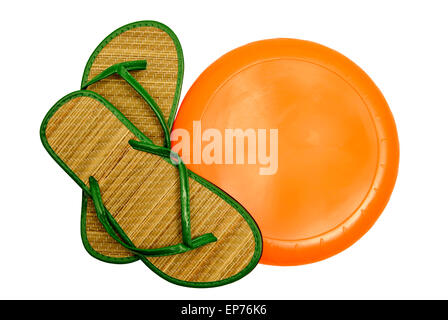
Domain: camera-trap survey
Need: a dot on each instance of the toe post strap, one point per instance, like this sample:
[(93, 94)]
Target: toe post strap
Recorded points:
[(117, 69), (149, 147), (122, 69)]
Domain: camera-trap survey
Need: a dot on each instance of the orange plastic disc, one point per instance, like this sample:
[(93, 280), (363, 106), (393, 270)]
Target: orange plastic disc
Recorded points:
[(337, 144)]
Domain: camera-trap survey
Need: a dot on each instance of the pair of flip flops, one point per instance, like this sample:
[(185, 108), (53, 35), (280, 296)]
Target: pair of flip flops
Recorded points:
[(139, 201)]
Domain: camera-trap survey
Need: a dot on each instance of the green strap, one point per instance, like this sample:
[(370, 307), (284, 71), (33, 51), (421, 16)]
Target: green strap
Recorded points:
[(122, 69), (111, 227), (184, 186)]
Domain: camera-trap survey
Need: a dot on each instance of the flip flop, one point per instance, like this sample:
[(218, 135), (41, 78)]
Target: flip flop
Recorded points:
[(158, 45), (135, 187), (216, 244), (337, 144)]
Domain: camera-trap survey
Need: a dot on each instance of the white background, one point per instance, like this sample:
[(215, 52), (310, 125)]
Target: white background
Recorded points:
[(402, 45)]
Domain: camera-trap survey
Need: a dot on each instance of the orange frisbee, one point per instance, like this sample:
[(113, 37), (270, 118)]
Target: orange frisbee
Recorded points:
[(336, 149)]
